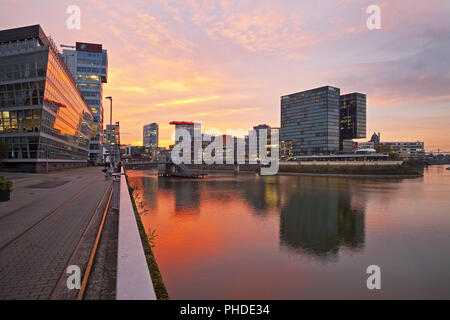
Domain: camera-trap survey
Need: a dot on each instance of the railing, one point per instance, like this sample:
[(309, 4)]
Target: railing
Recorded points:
[(135, 162)]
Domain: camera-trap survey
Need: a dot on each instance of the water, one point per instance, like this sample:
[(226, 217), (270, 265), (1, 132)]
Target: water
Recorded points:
[(298, 237)]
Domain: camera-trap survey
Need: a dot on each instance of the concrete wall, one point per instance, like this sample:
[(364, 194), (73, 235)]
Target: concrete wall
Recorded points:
[(133, 276)]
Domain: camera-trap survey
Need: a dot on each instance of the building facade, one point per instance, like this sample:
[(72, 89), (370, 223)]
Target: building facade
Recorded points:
[(406, 150), (352, 115), (195, 132), (44, 119), (352, 120), (88, 64), (151, 136), (112, 141), (310, 121)]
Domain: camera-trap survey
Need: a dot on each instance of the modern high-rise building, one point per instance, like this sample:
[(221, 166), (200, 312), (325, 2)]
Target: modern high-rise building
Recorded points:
[(195, 131), (321, 121), (352, 118), (310, 121), (112, 138), (192, 127), (151, 136), (268, 144), (88, 63), (44, 119), (352, 109)]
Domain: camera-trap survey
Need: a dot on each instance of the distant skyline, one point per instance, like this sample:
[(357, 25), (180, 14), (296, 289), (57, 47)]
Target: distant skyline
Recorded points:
[(227, 63)]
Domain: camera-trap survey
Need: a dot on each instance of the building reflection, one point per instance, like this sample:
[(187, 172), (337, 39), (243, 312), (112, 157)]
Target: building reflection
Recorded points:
[(263, 193), (322, 220), (185, 193), (318, 216)]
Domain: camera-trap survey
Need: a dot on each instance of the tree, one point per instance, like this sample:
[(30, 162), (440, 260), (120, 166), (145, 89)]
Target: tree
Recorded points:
[(383, 148), (386, 149)]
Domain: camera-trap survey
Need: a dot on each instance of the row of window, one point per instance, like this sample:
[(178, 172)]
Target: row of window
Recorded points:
[(22, 94), (20, 121), (98, 58), (91, 70), (23, 66)]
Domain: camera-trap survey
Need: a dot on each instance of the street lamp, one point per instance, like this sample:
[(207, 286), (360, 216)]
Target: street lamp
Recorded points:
[(110, 128)]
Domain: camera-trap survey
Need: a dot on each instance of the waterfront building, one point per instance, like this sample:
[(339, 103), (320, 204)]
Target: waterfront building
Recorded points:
[(44, 119), (352, 120), (406, 150), (310, 121), (267, 151), (366, 145), (195, 131), (352, 115), (286, 150), (192, 127), (88, 64), (321, 121)]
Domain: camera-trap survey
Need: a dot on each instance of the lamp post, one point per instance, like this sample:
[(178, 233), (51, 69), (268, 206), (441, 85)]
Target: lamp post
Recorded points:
[(110, 128)]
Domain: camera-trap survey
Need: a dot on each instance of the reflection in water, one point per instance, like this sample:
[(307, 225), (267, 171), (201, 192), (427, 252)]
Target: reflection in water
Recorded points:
[(320, 222), (263, 193), (187, 195), (284, 237), (315, 217)]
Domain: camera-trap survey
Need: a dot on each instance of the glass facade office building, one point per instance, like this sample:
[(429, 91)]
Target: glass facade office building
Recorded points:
[(310, 121), (88, 64), (44, 119), (151, 136), (352, 110)]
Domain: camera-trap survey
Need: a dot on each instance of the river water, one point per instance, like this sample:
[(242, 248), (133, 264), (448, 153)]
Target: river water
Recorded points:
[(298, 237)]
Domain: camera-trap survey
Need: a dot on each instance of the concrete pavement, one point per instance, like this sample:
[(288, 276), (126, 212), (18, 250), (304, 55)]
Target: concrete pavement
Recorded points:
[(41, 229)]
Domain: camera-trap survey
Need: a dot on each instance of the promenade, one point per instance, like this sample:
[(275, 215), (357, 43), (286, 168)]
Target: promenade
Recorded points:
[(50, 223)]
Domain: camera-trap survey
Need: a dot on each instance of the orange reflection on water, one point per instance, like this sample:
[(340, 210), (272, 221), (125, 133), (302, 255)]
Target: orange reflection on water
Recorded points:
[(288, 237)]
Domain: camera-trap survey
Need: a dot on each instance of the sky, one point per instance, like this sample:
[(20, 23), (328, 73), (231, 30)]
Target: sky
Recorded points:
[(226, 63)]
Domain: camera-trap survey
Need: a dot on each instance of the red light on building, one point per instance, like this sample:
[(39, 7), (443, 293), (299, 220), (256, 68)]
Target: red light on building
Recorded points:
[(187, 123)]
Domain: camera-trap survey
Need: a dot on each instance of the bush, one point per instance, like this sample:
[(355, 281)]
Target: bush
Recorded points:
[(6, 184)]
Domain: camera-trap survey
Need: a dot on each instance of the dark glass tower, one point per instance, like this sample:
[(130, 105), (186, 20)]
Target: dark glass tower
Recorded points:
[(44, 119), (352, 113), (352, 110), (310, 121)]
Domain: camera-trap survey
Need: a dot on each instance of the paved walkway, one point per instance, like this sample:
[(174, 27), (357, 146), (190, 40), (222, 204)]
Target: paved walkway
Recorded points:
[(41, 228)]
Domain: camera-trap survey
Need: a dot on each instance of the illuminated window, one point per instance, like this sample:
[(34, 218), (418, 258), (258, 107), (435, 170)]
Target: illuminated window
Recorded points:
[(92, 77)]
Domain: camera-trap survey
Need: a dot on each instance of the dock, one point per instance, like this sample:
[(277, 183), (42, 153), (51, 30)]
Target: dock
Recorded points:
[(167, 168)]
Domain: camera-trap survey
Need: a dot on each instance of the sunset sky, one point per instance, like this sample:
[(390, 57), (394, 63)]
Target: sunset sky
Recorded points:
[(226, 63)]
